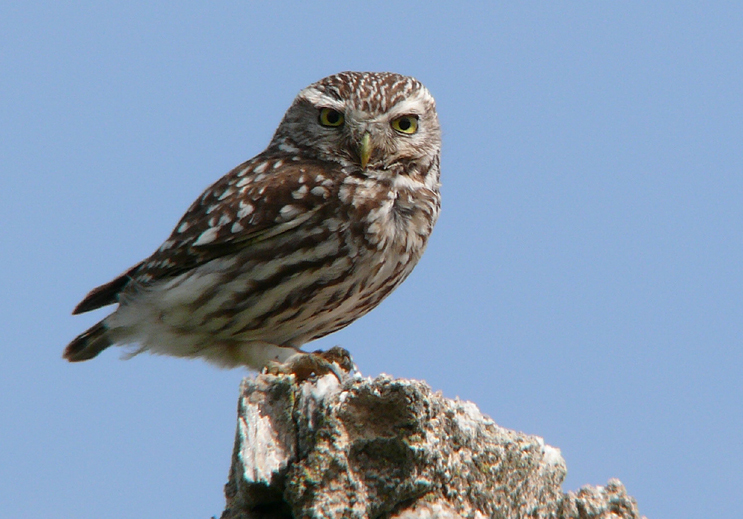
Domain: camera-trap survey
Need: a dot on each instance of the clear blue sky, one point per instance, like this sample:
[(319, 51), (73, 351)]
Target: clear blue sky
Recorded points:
[(583, 284)]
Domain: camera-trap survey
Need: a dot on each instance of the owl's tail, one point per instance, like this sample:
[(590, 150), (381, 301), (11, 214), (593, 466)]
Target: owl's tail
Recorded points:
[(88, 344)]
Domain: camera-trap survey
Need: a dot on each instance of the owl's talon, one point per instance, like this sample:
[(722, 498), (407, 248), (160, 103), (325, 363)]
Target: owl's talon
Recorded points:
[(304, 366)]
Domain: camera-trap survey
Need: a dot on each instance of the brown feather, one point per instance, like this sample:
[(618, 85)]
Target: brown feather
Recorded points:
[(107, 294), (88, 344)]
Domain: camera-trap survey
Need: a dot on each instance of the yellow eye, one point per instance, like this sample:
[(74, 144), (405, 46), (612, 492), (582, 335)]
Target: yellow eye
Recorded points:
[(330, 117), (406, 124)]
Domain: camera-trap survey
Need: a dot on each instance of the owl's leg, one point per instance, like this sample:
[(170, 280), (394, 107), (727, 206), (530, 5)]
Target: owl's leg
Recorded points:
[(304, 365)]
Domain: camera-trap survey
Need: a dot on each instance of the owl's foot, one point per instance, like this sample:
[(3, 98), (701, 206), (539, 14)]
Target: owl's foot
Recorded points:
[(303, 365)]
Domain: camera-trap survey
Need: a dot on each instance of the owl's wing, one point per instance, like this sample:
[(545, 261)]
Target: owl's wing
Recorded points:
[(258, 200)]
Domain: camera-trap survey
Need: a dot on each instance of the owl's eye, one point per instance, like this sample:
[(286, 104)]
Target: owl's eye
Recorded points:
[(330, 117), (406, 124)]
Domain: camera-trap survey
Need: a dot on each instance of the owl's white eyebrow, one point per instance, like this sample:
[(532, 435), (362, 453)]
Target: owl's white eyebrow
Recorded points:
[(406, 107), (320, 100)]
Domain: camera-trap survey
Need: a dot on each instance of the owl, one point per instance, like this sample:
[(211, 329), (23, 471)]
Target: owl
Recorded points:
[(294, 244)]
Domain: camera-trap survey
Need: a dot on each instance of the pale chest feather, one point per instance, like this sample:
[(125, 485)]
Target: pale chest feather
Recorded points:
[(394, 218)]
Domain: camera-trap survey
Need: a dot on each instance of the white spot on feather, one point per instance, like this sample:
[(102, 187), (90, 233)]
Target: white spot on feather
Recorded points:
[(319, 191), (227, 192), (243, 171), (237, 227), (300, 192), (207, 236), (245, 209), (167, 244), (284, 146), (289, 211)]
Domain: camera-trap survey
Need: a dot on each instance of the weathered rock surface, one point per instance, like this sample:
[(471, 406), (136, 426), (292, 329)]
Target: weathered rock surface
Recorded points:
[(387, 448)]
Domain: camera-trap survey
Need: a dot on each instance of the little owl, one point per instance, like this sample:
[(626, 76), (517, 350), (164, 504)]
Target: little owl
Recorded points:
[(294, 244)]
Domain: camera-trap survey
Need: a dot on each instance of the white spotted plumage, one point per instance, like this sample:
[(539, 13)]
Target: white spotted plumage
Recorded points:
[(296, 243)]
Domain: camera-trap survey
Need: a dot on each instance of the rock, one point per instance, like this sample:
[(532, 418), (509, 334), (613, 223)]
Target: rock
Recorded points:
[(386, 448)]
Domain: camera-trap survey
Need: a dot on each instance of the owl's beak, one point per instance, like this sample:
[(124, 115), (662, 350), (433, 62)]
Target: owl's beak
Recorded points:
[(365, 149)]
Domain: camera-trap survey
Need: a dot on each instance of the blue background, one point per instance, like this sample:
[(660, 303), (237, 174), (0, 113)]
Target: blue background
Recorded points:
[(583, 283)]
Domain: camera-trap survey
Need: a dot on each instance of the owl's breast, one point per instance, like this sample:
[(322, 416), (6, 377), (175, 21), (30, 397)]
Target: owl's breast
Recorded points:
[(390, 219)]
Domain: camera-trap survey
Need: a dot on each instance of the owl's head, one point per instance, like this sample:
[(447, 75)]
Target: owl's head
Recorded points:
[(377, 121)]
